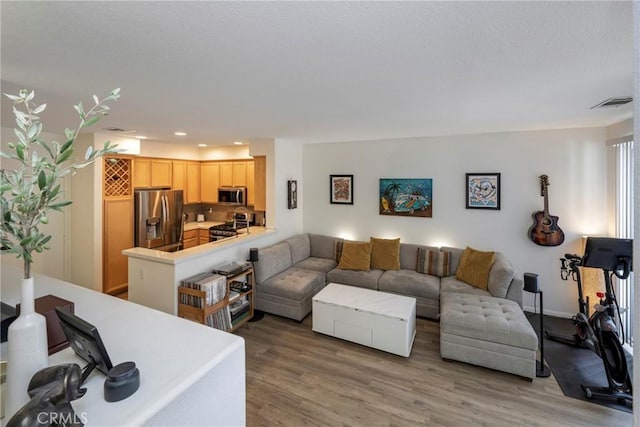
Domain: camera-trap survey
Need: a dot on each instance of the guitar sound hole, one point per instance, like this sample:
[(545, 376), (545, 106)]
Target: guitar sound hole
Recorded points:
[(546, 222)]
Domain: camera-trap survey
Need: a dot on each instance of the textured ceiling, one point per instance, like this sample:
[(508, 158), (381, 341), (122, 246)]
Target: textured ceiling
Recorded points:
[(321, 71)]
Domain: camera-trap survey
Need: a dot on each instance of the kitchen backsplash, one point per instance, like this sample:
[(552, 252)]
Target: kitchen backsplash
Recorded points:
[(214, 212)]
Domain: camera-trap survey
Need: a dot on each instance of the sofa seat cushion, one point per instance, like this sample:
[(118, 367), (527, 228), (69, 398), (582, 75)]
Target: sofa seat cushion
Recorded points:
[(317, 264), (451, 284), (363, 279), (410, 282), (293, 283), (486, 318)]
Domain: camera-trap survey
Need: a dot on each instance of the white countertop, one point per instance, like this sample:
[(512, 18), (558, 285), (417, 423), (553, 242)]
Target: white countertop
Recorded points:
[(196, 251), (172, 354)]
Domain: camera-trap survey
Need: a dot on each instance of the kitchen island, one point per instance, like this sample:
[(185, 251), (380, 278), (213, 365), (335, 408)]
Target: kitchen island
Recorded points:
[(154, 276), (189, 374)]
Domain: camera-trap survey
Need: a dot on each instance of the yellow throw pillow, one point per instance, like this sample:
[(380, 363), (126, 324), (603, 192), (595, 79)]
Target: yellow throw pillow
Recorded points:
[(474, 267), (385, 253), (355, 256)]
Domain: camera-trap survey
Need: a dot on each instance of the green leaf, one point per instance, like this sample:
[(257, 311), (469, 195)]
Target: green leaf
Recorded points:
[(42, 180), (57, 206), (66, 146), (64, 156), (39, 109), (69, 133), (12, 97), (96, 100), (91, 121), (79, 109), (20, 152), (88, 153)]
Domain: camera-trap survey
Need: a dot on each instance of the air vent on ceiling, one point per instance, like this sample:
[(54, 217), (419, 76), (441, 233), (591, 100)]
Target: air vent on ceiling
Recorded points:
[(613, 102), (120, 130)]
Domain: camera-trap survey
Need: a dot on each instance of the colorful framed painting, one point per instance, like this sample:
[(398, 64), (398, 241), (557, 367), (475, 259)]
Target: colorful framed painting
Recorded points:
[(483, 191), (341, 189), (406, 197)]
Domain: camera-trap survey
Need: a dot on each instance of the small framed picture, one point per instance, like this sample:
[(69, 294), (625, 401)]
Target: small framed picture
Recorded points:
[(341, 189), (292, 194), (483, 191)]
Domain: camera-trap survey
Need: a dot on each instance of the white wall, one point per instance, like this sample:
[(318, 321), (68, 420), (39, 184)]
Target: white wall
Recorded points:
[(574, 160)]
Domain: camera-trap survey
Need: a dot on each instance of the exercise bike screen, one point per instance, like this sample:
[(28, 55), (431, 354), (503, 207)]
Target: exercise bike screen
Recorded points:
[(608, 253)]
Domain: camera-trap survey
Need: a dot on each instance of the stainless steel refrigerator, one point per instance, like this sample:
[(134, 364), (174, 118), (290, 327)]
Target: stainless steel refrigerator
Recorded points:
[(158, 219)]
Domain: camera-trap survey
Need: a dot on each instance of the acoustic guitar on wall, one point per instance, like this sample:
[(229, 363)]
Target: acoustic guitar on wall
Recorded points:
[(545, 230)]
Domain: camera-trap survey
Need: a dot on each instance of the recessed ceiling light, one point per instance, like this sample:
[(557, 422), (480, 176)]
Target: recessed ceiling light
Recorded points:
[(180, 133), (238, 142), (141, 137), (202, 145)]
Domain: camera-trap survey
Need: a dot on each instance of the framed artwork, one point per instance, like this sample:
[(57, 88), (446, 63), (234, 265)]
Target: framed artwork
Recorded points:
[(292, 194), (341, 189), (483, 191), (406, 197)]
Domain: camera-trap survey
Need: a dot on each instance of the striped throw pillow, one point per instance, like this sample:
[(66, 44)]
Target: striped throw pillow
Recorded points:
[(435, 263)]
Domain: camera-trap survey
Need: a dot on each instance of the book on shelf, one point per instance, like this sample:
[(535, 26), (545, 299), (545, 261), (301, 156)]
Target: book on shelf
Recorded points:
[(240, 317), (239, 306)]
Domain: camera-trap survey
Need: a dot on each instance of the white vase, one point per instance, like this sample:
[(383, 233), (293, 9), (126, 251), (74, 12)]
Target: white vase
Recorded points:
[(27, 350)]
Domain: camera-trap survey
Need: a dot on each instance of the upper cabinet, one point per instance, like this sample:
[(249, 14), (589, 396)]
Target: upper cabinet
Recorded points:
[(152, 172), (209, 181), (259, 184), (179, 175), (193, 183)]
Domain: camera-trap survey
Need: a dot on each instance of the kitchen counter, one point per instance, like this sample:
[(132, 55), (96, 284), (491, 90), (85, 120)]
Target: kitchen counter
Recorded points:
[(190, 374), (154, 276)]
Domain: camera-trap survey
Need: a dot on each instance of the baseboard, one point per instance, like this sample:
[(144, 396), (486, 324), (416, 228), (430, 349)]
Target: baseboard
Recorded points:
[(550, 312)]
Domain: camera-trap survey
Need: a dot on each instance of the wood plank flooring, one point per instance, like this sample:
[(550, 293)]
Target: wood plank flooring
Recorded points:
[(298, 377)]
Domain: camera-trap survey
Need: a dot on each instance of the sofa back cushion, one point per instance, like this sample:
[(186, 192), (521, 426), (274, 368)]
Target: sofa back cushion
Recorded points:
[(300, 247), (500, 276), (323, 246), (434, 262), (456, 254), (385, 253), (273, 260)]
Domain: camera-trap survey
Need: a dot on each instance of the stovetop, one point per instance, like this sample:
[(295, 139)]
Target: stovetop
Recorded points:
[(224, 227)]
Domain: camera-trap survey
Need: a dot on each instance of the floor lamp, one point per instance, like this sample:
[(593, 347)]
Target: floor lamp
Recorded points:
[(531, 285)]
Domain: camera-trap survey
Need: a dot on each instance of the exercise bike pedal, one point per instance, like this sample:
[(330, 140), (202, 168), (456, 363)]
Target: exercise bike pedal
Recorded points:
[(597, 392)]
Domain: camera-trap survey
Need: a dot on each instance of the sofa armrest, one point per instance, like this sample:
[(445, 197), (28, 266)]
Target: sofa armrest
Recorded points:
[(514, 293)]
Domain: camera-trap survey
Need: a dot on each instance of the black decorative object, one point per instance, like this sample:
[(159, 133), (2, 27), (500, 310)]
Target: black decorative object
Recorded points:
[(531, 285), (122, 381), (292, 194), (51, 390)]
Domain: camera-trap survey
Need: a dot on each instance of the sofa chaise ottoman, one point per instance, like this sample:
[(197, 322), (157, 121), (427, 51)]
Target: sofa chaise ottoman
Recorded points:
[(487, 331)]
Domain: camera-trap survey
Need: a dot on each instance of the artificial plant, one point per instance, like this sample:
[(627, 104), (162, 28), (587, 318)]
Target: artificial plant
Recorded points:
[(32, 190)]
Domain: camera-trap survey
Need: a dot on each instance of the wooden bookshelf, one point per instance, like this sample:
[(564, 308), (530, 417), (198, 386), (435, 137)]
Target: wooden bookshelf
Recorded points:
[(200, 314)]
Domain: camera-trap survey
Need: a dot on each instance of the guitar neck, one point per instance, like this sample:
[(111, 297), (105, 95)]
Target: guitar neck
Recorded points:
[(546, 202)]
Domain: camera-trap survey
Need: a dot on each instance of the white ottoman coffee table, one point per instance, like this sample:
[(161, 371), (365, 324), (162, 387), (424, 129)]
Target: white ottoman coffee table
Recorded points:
[(375, 319)]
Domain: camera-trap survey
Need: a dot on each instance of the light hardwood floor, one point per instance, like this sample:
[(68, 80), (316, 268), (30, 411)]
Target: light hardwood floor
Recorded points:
[(298, 377)]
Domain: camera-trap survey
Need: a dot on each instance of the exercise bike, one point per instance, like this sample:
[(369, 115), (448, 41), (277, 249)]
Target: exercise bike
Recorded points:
[(599, 332)]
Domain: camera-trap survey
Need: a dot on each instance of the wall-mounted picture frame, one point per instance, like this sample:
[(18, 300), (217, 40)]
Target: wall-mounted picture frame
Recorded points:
[(406, 197), (482, 191), (341, 189), (292, 194)]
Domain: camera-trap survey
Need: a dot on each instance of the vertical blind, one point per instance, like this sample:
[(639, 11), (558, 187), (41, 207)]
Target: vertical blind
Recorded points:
[(624, 229)]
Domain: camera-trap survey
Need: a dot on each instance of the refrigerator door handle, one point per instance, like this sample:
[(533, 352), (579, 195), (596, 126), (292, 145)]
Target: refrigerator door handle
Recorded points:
[(165, 214)]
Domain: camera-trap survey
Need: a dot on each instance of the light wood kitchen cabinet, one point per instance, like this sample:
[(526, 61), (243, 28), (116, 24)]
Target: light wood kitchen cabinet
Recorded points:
[(190, 239), (179, 175), (118, 235), (117, 226), (239, 171), (250, 183), (226, 174), (193, 183), (203, 236), (259, 183), (141, 172), (161, 173), (209, 181), (149, 172)]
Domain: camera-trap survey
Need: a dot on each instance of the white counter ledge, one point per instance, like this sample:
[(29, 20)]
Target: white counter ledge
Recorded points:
[(189, 374), (196, 251), (200, 225), (154, 276)]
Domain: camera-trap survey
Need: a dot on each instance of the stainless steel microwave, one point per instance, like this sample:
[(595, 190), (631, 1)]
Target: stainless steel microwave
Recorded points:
[(232, 196)]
